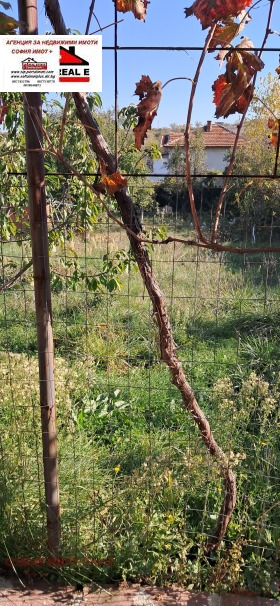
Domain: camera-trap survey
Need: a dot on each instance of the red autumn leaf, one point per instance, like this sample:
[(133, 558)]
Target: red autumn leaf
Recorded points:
[(245, 43), (143, 86), (233, 90), (225, 33), (219, 88), (150, 95), (240, 105), (3, 111), (242, 102), (251, 62), (113, 183), (273, 125), (209, 11), (137, 7)]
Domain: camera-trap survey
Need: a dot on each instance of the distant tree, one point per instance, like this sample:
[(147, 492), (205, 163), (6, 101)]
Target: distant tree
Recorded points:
[(173, 191), (259, 198), (177, 128)]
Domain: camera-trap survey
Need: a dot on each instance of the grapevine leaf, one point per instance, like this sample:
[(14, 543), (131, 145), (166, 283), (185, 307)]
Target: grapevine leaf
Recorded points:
[(113, 183), (137, 7), (210, 11), (8, 25), (220, 88), (233, 90), (150, 94), (273, 125), (246, 43), (225, 33), (143, 86), (3, 110)]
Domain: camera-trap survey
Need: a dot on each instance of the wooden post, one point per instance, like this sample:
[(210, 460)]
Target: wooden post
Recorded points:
[(28, 15)]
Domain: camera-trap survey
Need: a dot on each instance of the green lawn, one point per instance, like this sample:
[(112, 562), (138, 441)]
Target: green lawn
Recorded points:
[(136, 482)]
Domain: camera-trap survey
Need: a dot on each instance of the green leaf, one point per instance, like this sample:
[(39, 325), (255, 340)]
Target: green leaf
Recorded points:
[(113, 284), (94, 99), (121, 404)]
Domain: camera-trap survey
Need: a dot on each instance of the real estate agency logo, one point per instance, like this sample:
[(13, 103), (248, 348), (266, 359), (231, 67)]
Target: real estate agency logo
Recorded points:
[(31, 64), (72, 68)]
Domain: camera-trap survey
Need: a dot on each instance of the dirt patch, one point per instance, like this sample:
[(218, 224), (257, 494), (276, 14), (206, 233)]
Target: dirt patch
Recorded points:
[(44, 594)]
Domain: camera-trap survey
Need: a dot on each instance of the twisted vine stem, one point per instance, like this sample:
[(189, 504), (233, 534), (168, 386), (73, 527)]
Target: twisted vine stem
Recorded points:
[(167, 345)]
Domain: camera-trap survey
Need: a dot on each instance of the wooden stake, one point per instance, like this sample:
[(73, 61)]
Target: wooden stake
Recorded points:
[(28, 15)]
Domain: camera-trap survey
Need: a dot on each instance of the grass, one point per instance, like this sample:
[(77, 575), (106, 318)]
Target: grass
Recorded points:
[(136, 483)]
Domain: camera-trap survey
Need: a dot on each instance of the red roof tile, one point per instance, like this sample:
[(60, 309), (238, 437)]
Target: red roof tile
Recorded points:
[(217, 136)]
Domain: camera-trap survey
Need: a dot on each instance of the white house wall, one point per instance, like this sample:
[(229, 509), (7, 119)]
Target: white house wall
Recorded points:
[(160, 166), (215, 160)]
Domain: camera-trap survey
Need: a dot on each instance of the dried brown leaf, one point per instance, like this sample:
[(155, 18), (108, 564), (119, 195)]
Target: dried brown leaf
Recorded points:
[(113, 183), (233, 90), (273, 125), (150, 95), (143, 86), (209, 11), (137, 7), (225, 33)]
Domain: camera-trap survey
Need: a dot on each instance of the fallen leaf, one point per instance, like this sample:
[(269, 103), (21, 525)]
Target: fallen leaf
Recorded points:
[(137, 7), (113, 183), (150, 94), (209, 11)]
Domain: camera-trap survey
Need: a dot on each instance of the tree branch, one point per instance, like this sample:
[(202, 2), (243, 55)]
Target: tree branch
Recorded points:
[(16, 277), (167, 345), (188, 133), (277, 151), (91, 9), (232, 159), (63, 122)]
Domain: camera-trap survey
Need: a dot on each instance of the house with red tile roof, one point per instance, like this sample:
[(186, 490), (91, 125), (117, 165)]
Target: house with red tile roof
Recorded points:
[(218, 141)]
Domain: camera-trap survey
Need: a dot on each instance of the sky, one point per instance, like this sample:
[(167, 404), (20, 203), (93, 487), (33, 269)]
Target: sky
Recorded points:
[(165, 25)]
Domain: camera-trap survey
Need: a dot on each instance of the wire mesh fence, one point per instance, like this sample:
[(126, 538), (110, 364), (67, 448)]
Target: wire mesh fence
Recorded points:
[(138, 490), (139, 493)]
